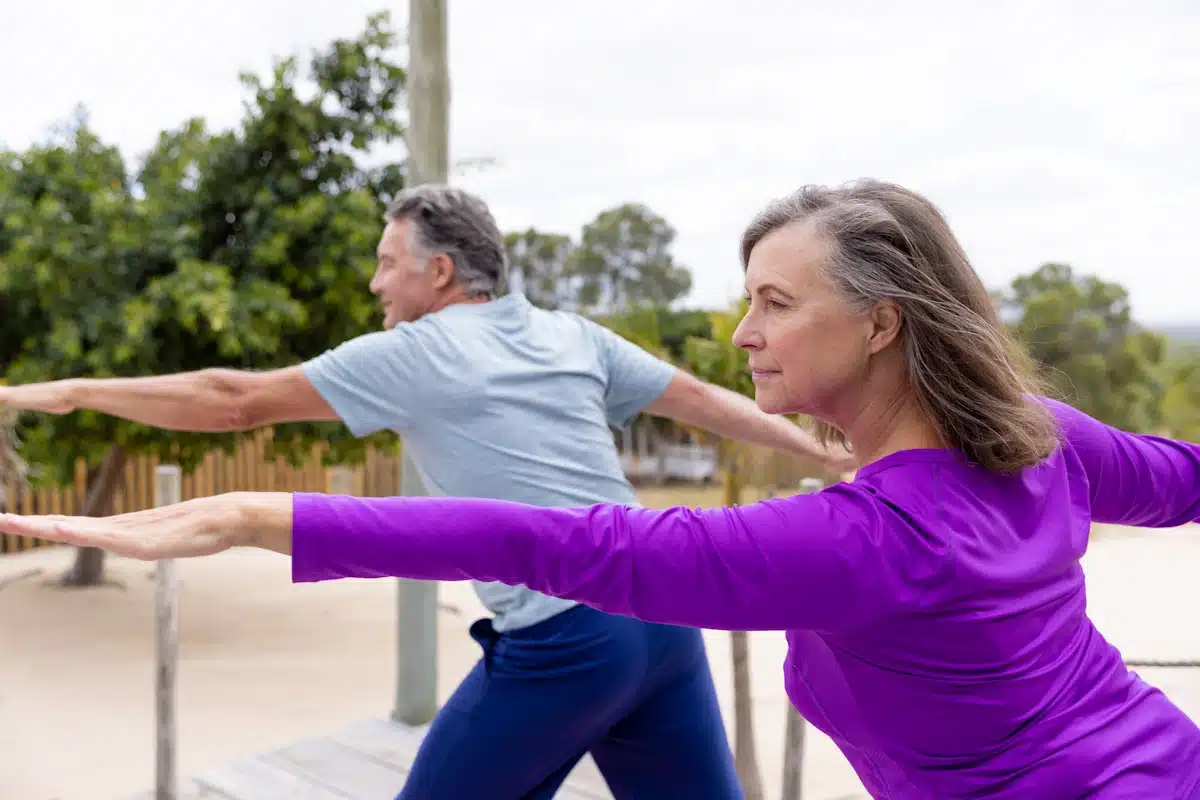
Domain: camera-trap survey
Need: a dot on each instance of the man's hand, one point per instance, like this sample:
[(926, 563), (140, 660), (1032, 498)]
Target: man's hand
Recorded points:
[(839, 459), (53, 397)]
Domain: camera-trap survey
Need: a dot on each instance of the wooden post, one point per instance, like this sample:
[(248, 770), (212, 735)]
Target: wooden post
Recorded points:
[(745, 751), (793, 735), (642, 446), (428, 162), (168, 481)]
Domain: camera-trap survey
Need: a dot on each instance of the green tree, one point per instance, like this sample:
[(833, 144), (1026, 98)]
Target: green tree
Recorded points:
[(642, 326), (286, 201), (249, 249), (680, 327), (624, 260), (665, 333), (1080, 330), (663, 330), (539, 267), (74, 253), (1181, 402)]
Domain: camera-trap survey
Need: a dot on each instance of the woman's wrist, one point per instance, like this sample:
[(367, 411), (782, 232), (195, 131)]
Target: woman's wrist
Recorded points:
[(259, 519)]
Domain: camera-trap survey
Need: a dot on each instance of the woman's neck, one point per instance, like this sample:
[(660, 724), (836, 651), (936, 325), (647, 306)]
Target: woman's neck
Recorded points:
[(889, 424)]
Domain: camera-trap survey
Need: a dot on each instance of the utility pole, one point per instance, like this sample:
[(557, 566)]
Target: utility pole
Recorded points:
[(428, 162)]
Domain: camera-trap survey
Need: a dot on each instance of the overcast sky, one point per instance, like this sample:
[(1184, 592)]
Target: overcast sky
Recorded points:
[(1046, 130)]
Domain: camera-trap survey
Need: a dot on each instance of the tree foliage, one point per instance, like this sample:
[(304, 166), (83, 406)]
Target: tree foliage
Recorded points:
[(715, 358), (1181, 401), (250, 248), (622, 262), (285, 205), (1080, 330), (539, 266)]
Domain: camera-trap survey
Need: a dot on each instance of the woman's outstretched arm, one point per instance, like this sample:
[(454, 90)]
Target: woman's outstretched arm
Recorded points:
[(1133, 479), (827, 561), (812, 561)]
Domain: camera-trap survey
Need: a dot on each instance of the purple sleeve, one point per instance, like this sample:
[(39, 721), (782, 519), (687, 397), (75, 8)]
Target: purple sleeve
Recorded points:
[(1134, 479), (823, 561)]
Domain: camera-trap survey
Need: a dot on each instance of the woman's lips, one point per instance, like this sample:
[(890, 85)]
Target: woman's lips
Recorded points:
[(762, 374)]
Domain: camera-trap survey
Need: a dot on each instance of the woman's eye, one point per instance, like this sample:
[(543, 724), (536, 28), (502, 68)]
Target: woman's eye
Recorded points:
[(769, 302)]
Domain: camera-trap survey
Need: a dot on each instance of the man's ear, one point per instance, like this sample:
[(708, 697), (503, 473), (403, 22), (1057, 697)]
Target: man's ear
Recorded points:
[(442, 266), (885, 325)]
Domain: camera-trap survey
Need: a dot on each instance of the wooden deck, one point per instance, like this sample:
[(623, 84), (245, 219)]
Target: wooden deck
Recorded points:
[(366, 761)]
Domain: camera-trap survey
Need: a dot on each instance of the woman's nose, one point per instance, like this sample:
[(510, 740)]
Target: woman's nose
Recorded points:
[(746, 335)]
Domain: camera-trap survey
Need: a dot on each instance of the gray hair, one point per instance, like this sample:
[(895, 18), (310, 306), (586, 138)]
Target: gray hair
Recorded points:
[(888, 243), (459, 224)]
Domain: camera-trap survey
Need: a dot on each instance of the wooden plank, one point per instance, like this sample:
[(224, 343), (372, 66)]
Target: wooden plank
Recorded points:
[(256, 779), (396, 744), (392, 743), (340, 768), (190, 790), (363, 761)]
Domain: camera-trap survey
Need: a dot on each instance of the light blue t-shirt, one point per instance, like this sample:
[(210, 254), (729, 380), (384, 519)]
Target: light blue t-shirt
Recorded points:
[(499, 400)]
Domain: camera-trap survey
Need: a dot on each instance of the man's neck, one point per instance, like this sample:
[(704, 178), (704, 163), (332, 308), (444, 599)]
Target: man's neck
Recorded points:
[(459, 297)]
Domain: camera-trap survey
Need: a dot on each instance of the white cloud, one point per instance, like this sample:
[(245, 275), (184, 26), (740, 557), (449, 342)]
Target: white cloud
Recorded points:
[(1046, 130)]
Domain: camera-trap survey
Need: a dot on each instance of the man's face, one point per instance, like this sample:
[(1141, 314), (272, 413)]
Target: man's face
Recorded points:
[(407, 289)]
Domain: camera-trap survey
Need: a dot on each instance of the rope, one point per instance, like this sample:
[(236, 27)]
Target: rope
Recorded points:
[(1165, 664)]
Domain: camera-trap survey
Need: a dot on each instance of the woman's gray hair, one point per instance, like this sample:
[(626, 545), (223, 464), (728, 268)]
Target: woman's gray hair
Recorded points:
[(888, 243), (459, 224)]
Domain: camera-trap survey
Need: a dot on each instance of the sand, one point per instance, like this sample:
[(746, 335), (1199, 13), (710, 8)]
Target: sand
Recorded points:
[(264, 663)]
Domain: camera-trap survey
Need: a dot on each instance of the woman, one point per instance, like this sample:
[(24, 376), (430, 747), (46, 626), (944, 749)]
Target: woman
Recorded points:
[(934, 606)]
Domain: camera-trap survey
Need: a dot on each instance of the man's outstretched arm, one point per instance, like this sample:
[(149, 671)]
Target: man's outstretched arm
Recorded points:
[(209, 400), (734, 416)]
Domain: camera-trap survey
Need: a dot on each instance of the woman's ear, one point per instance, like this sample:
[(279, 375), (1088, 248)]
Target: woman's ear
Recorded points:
[(885, 325)]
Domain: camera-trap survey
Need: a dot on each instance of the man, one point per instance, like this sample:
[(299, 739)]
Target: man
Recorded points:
[(496, 398)]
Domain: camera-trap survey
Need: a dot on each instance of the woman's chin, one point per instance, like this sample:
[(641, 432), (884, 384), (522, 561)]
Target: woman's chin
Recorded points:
[(769, 403), (773, 402)]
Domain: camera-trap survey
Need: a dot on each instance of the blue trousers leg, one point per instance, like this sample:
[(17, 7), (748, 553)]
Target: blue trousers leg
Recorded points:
[(638, 696)]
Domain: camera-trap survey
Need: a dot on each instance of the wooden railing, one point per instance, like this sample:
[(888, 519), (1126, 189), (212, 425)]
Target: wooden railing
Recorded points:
[(246, 470)]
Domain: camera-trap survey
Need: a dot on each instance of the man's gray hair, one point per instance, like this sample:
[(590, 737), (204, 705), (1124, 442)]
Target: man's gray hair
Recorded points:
[(459, 224)]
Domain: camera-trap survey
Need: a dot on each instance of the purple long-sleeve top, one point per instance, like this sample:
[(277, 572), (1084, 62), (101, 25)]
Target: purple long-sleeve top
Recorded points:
[(935, 612)]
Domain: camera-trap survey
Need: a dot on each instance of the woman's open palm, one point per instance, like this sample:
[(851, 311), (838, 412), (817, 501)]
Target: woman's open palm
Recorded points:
[(193, 528)]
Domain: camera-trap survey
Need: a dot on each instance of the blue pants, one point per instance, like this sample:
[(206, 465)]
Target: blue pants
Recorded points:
[(638, 696)]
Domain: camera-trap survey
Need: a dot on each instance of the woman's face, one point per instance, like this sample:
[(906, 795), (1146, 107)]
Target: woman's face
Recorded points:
[(809, 352)]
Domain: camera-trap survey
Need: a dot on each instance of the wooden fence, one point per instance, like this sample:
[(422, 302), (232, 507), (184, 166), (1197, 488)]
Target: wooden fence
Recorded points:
[(245, 470)]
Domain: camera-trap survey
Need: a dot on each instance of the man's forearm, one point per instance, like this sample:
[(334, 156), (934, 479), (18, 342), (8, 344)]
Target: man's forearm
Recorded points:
[(206, 401), (733, 416)]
